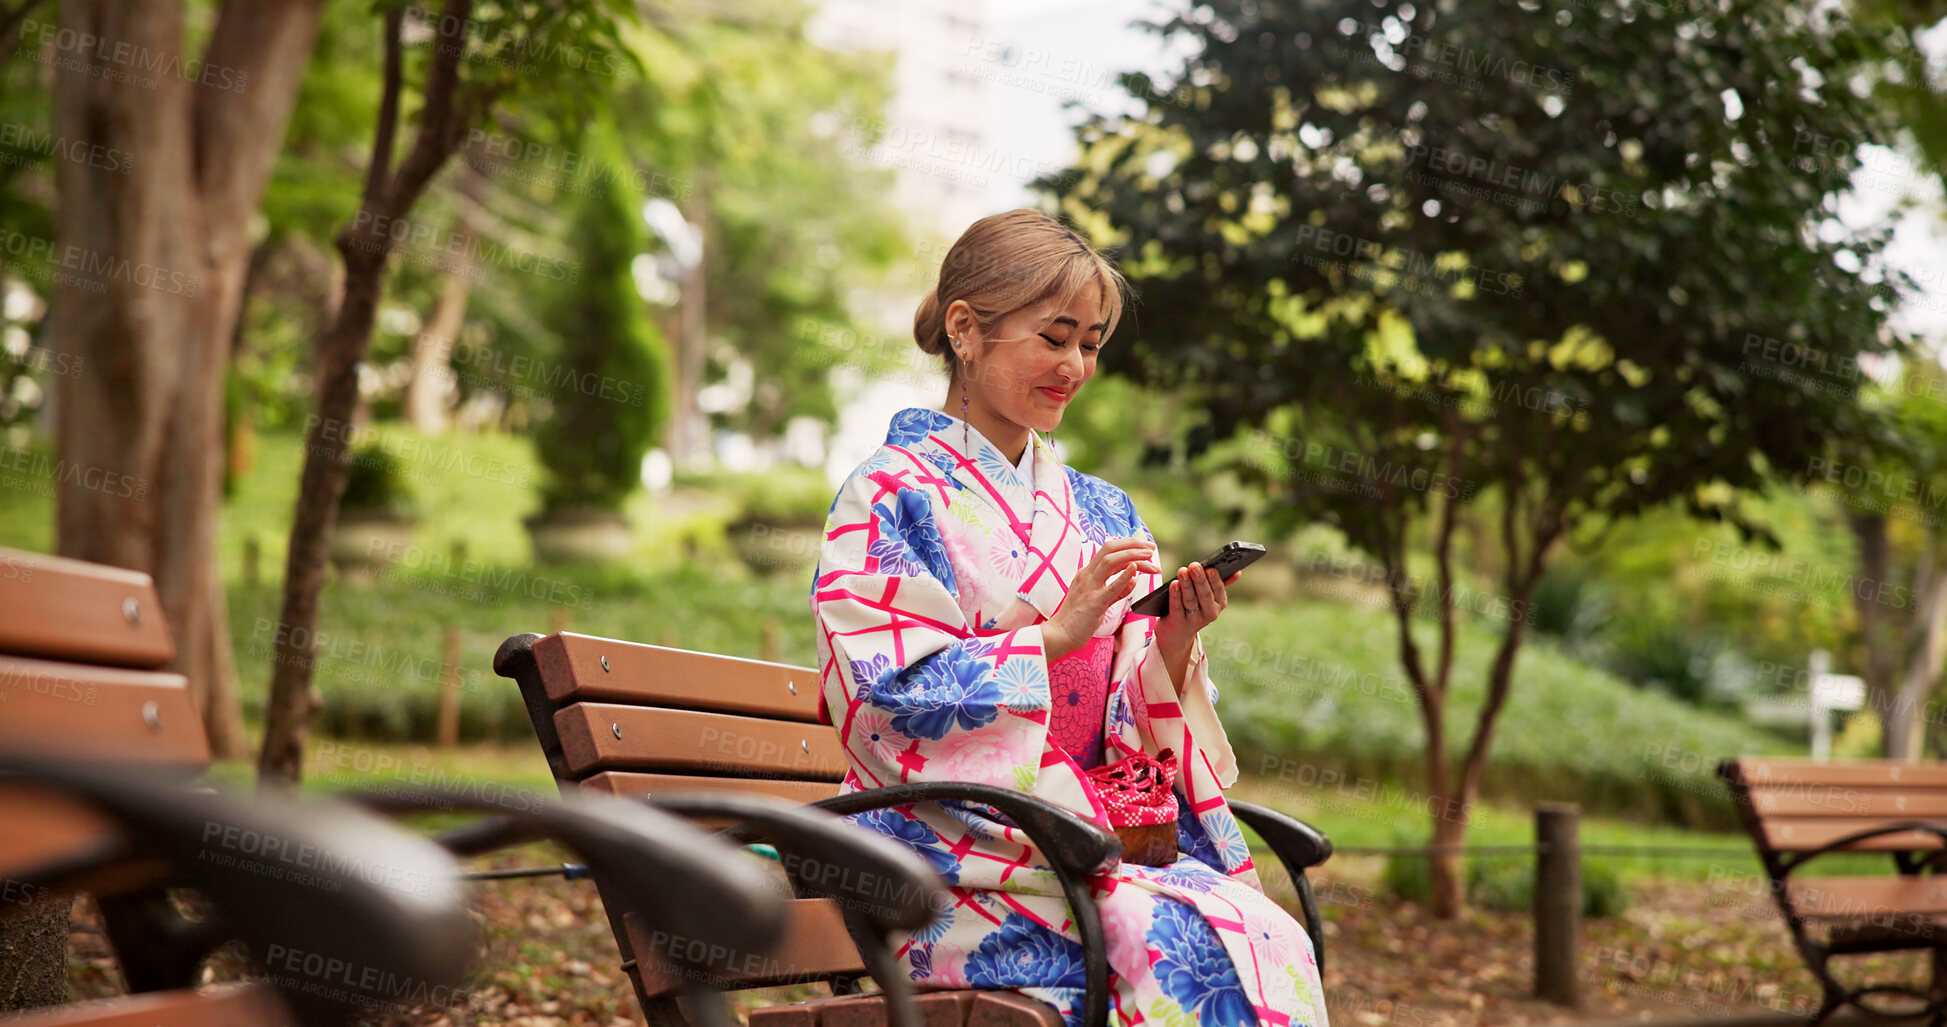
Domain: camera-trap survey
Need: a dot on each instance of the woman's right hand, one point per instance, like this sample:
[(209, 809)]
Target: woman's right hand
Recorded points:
[(1107, 578)]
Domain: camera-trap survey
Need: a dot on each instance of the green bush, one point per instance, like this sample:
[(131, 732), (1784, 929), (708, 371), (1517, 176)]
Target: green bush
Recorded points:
[(1568, 604), (1604, 892), (610, 393), (376, 483), (785, 495), (1508, 885), (1323, 679), (1407, 875), (1505, 884)]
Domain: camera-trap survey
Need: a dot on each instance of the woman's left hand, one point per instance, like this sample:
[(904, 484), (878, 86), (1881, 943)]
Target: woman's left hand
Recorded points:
[(1197, 596)]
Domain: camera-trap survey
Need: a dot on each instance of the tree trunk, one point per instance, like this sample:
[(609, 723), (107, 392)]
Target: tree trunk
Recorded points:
[(327, 453), (689, 436), (152, 266), (432, 348), (1448, 882), (156, 264), (1900, 731), (364, 244), (1879, 634)]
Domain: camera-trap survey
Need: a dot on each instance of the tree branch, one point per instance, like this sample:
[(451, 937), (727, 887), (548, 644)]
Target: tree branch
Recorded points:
[(1443, 551), (1519, 578), (387, 128), (1389, 545), (441, 125), (242, 101)]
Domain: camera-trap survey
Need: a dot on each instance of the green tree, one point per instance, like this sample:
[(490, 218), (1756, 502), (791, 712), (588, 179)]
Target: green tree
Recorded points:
[(610, 395), (467, 60), (1407, 254), (1892, 494)]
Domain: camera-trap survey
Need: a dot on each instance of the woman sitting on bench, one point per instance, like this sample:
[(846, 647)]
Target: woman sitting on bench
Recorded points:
[(972, 599)]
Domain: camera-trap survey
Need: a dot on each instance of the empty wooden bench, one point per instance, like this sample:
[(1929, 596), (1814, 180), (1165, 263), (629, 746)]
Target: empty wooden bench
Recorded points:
[(1798, 810), (647, 721), (99, 746)]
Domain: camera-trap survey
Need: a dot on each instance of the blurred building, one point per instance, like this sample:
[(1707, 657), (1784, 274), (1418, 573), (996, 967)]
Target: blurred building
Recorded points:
[(939, 138), (938, 130), (978, 111)]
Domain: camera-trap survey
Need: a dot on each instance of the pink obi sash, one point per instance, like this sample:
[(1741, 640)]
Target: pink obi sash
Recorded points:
[(1078, 685)]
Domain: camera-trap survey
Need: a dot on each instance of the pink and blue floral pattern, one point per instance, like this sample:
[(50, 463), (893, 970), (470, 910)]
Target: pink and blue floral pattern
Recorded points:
[(1194, 970)]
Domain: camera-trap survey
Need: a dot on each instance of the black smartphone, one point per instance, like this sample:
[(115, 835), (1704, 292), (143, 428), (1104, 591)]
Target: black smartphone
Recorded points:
[(1233, 557)]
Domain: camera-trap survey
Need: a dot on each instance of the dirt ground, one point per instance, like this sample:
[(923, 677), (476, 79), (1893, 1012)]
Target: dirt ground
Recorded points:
[(1683, 950)]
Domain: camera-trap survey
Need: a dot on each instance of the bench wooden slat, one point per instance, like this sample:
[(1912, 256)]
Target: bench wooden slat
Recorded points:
[(609, 736), (1801, 834), (1761, 773), (1843, 897), (236, 1005), (1838, 802), (1008, 1009), (815, 944), (42, 828), (632, 785), (109, 713), (62, 609), (572, 671), (936, 1009)]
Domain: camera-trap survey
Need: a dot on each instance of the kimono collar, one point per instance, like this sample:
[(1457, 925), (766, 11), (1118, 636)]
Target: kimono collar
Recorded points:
[(1048, 525)]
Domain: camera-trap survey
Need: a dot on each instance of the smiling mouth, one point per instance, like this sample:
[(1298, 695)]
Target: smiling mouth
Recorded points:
[(1056, 393)]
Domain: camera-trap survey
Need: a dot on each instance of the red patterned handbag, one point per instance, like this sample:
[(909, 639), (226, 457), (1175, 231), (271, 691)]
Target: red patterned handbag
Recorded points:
[(1137, 792)]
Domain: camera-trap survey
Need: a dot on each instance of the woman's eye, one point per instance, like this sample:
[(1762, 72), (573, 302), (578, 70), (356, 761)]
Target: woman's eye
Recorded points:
[(1058, 343)]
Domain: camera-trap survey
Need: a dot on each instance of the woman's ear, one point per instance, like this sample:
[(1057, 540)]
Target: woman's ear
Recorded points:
[(961, 324)]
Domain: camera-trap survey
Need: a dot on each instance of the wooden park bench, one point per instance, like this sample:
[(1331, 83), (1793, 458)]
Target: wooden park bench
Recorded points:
[(81, 647), (1798, 810), (646, 721), (99, 751)]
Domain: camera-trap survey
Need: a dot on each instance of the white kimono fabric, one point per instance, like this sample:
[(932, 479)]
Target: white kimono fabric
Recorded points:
[(937, 569)]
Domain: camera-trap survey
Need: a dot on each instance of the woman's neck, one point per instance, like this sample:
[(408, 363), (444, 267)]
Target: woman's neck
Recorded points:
[(1010, 438)]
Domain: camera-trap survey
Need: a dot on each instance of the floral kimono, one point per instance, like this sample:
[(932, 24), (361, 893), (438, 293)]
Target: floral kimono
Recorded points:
[(937, 570)]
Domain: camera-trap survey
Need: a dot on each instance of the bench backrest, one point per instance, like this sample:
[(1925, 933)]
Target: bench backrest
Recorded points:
[(1797, 805), (81, 652), (634, 720)]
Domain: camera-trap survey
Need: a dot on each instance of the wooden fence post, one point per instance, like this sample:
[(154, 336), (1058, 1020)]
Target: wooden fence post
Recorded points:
[(449, 690), (1558, 902)]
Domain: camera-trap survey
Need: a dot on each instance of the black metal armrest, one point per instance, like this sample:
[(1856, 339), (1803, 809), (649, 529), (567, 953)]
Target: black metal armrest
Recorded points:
[(1298, 846), (684, 881), (342, 910), (880, 885), (1786, 866), (1076, 848), (883, 881)]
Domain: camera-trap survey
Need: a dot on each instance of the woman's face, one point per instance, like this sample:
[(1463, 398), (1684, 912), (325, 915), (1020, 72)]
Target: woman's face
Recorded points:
[(1031, 364)]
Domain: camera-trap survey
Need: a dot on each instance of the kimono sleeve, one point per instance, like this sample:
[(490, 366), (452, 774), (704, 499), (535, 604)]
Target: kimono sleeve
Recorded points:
[(1198, 700), (919, 694)]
